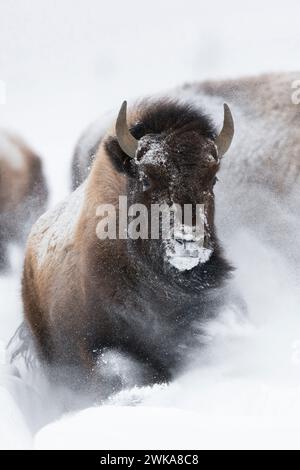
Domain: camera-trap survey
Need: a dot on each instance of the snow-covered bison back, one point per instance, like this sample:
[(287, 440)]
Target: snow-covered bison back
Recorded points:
[(259, 182), (23, 191)]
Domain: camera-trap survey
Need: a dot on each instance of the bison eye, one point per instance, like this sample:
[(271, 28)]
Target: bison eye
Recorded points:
[(146, 183)]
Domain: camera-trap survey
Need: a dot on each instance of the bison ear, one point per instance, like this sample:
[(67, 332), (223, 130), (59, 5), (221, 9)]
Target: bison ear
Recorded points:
[(119, 159)]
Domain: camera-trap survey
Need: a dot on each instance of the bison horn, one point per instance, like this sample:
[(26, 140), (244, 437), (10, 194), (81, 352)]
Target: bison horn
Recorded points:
[(126, 140), (225, 137)]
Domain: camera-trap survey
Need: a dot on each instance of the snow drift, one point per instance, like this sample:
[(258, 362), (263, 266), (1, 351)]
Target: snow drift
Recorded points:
[(241, 391)]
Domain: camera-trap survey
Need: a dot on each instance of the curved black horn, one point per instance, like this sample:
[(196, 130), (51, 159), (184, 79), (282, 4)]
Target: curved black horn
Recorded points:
[(126, 140), (225, 137)]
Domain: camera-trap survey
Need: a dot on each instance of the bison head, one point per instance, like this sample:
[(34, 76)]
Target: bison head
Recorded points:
[(171, 155)]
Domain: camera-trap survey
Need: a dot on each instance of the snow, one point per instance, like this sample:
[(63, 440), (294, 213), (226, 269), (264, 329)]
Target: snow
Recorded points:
[(184, 251), (241, 392), (186, 258), (154, 156), (13, 429), (164, 428), (184, 246), (58, 225), (65, 66)]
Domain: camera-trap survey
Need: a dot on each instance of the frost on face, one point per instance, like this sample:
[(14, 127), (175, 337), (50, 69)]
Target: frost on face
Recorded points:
[(155, 155), (185, 247)]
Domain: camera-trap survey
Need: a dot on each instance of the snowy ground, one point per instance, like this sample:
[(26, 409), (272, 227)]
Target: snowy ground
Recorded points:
[(243, 391), (64, 63)]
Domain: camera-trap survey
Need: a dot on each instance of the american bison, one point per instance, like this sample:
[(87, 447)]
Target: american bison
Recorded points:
[(23, 191), (85, 295), (268, 121)]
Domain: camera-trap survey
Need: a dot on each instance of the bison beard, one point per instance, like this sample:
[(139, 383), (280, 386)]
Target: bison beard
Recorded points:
[(85, 297)]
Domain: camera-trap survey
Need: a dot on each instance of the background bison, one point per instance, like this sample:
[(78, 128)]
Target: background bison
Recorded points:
[(23, 191)]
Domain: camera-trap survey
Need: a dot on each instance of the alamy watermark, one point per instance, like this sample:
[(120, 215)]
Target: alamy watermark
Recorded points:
[(296, 93), (2, 92), (159, 221)]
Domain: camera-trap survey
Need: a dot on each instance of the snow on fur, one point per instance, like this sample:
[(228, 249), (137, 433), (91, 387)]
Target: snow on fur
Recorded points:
[(58, 225)]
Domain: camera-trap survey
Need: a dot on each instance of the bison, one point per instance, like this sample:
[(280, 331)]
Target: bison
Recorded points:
[(23, 191), (85, 296)]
